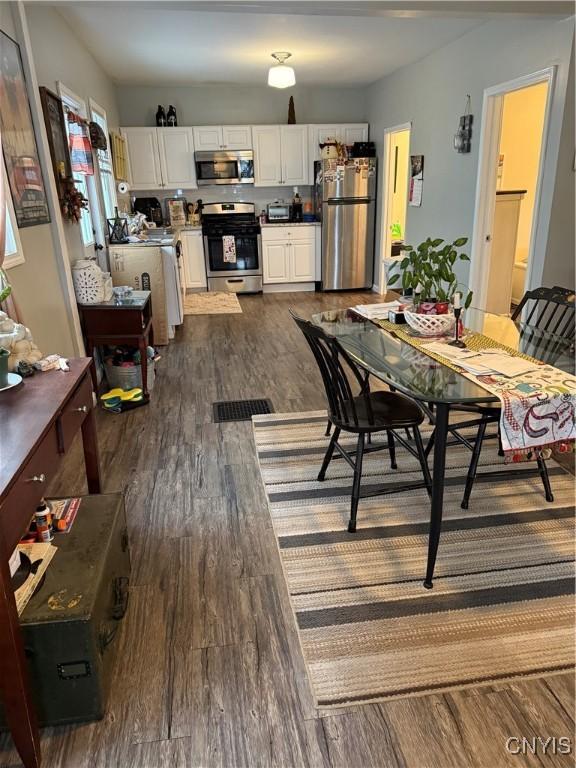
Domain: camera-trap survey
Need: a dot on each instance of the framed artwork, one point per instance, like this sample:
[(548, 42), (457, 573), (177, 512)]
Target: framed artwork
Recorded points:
[(18, 140), (57, 137)]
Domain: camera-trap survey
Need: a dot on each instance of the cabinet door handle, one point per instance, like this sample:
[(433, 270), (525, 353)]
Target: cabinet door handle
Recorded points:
[(82, 409), (36, 478)]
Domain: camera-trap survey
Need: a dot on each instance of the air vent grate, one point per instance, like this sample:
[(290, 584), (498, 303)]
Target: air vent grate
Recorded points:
[(240, 410)]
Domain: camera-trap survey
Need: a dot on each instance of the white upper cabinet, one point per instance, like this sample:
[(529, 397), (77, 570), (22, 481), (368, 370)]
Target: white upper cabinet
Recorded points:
[(280, 155), (354, 133), (347, 133), (267, 159), (160, 157), (294, 151), (207, 138), (142, 155), (212, 138), (236, 137), (176, 150)]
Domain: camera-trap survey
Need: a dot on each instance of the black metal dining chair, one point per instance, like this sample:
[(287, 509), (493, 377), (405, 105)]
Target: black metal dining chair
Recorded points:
[(548, 309), (363, 414)]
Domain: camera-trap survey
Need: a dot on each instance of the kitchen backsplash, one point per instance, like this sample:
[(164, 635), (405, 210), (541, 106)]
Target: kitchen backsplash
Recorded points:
[(225, 193)]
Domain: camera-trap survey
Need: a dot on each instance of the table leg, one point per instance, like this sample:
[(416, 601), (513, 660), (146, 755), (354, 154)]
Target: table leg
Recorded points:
[(91, 458), (438, 477), (18, 706), (90, 353), (143, 347)]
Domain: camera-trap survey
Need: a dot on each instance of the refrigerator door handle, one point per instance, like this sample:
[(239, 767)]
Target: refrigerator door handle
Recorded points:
[(349, 201)]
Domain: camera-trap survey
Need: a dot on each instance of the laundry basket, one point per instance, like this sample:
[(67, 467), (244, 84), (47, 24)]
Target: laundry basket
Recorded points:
[(129, 376)]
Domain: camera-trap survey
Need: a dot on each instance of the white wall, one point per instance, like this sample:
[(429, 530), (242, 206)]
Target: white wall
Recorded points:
[(432, 93), (59, 55), (231, 104)]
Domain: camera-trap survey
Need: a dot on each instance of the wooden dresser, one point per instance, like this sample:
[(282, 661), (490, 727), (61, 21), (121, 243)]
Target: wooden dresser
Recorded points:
[(38, 422)]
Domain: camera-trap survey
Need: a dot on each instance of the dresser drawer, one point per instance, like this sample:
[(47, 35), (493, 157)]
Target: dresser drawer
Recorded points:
[(74, 412), (31, 485)]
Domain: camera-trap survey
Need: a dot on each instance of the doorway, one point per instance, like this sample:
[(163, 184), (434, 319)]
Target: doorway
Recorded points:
[(394, 199), (512, 149)]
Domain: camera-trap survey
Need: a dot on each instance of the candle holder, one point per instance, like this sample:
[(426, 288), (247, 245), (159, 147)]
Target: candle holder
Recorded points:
[(457, 342)]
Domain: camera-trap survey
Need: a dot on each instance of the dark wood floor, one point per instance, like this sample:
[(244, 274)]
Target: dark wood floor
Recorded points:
[(208, 670)]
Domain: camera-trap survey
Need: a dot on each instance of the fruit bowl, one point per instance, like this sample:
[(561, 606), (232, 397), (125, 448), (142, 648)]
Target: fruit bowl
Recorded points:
[(429, 325)]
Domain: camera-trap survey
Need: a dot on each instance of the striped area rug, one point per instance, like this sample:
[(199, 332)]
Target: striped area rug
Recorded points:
[(502, 603)]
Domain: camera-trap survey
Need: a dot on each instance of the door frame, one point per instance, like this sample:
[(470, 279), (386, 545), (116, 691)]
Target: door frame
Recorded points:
[(385, 208), (486, 184)]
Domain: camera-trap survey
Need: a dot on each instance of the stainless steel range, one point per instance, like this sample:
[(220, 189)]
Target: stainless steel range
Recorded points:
[(232, 247)]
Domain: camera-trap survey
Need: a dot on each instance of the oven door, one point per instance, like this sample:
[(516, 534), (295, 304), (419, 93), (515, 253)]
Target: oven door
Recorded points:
[(224, 168), (247, 259)]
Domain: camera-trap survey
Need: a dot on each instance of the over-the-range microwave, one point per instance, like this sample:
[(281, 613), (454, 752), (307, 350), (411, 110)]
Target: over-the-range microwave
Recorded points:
[(234, 167)]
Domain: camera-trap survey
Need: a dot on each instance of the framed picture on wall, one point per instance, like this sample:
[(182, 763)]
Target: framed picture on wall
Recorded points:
[(18, 140), (57, 137)]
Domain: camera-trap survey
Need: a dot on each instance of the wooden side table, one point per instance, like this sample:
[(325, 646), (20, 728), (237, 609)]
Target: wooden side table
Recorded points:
[(39, 419), (120, 321)]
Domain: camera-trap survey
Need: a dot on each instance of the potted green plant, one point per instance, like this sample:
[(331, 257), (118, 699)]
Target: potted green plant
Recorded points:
[(428, 271)]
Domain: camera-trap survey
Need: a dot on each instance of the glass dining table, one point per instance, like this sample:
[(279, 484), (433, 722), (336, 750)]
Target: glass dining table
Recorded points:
[(403, 367)]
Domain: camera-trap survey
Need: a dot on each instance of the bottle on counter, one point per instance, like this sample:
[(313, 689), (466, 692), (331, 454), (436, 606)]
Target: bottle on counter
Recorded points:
[(160, 116), (262, 217), (171, 117), (296, 206)]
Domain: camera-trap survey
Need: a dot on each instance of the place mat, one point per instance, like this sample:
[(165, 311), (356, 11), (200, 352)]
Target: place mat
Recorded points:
[(502, 606), (537, 407)]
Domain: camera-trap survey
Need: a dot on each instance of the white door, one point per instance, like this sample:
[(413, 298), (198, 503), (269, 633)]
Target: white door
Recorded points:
[(207, 138), (176, 150), (194, 265), (236, 137), (267, 155), (142, 156), (275, 263), (294, 145), (302, 260), (352, 133)]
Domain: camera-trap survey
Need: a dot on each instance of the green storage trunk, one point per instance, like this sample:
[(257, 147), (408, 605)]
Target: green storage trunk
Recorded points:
[(71, 623)]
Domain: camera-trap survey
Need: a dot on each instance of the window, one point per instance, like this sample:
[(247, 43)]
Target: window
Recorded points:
[(74, 103), (13, 253), (105, 168)]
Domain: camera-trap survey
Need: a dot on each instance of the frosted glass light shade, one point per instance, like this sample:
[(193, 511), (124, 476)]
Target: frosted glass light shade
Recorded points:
[(281, 76)]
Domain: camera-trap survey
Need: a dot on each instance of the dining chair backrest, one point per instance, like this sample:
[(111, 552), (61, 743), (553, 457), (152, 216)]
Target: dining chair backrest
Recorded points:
[(548, 309), (329, 356)]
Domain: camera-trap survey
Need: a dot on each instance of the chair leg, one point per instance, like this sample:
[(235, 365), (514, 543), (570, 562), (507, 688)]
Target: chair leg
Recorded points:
[(356, 483), (430, 443), (500, 449), (328, 428), (423, 461), (329, 453), (545, 479), (408, 434), (392, 449), (473, 464)]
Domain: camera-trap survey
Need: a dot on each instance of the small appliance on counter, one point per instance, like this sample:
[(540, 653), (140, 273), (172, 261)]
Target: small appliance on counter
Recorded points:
[(279, 211), (151, 208), (363, 149)]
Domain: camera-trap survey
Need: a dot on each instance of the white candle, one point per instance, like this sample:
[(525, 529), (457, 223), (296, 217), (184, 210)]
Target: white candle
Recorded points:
[(456, 301)]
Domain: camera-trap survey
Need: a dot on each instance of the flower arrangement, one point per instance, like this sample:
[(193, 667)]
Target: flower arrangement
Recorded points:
[(427, 271), (72, 201)]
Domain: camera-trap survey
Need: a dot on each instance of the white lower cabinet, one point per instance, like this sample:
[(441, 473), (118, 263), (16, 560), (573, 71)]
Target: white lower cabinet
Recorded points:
[(289, 255), (193, 255), (275, 262)]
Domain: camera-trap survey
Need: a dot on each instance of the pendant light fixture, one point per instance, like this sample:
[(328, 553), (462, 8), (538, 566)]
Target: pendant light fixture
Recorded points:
[(280, 75)]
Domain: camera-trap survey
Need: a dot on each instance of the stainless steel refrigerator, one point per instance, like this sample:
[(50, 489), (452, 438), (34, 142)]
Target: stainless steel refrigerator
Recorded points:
[(345, 193)]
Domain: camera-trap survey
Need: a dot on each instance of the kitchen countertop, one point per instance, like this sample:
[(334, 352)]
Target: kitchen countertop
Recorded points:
[(292, 224)]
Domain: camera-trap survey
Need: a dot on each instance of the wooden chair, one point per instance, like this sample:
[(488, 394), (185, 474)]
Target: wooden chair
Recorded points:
[(363, 414), (548, 309)]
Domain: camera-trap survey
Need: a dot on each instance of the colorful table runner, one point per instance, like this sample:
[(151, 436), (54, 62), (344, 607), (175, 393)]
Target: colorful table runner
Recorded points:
[(538, 410)]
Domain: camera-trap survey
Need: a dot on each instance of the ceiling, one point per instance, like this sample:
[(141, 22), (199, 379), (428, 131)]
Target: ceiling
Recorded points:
[(335, 43)]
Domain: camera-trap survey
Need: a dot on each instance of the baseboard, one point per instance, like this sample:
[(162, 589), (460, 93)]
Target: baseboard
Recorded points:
[(376, 289), (288, 287)]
